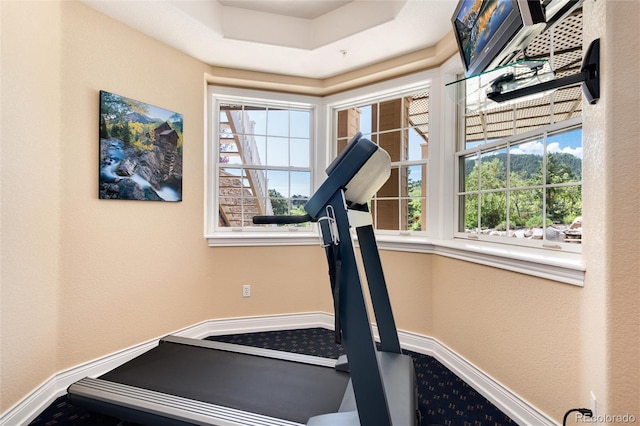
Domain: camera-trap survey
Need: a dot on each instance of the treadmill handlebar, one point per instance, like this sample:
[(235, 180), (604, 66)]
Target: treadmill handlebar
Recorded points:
[(281, 220)]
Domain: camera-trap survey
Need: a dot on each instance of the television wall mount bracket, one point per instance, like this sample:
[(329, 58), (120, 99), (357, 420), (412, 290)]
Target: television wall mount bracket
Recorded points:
[(589, 76)]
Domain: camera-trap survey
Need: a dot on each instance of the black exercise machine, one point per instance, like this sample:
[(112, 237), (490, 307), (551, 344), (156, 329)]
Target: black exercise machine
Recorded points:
[(190, 381)]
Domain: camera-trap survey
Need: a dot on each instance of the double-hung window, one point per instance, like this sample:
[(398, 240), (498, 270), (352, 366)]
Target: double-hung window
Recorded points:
[(263, 152), (267, 154), (519, 166), (525, 188), (400, 125)]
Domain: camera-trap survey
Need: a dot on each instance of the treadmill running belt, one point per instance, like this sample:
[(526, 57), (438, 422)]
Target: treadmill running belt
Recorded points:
[(272, 387)]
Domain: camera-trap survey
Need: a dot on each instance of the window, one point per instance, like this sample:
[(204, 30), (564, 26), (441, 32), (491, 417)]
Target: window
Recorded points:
[(263, 155), (524, 188), (267, 153), (400, 125), (417, 212), (519, 167)]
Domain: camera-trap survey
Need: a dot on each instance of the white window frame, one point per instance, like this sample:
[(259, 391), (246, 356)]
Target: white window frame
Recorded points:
[(441, 225), (232, 236), (541, 133), (562, 266), (371, 98)]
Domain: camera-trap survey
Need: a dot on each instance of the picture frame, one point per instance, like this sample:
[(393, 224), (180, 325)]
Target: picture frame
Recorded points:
[(140, 150)]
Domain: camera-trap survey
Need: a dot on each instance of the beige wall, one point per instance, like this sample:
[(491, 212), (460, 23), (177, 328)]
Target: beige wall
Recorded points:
[(408, 277), (30, 201), (82, 277), (522, 331), (611, 300)]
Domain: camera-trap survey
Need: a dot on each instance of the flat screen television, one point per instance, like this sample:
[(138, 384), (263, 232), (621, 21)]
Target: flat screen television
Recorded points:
[(491, 33)]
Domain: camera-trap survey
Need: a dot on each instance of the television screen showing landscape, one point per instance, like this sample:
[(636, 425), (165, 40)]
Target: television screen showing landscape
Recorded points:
[(140, 150), (477, 22)]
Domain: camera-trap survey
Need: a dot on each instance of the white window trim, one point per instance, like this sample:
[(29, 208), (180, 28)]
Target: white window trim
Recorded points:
[(439, 238), (558, 266), (405, 87), (263, 239), (218, 237), (562, 266), (540, 244)]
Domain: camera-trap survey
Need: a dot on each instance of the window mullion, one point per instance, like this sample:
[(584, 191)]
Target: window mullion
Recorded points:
[(545, 183)]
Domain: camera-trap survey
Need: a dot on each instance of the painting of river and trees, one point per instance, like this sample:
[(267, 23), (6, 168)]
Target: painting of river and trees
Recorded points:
[(140, 150)]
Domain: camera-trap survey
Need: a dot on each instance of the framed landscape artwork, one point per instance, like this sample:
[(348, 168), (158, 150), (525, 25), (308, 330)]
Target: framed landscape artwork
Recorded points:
[(140, 150)]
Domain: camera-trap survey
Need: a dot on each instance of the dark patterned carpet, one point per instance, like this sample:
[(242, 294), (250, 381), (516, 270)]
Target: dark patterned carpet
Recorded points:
[(444, 399)]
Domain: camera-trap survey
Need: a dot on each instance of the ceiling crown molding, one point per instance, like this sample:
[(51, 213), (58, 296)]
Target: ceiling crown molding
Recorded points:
[(410, 63), (334, 42)]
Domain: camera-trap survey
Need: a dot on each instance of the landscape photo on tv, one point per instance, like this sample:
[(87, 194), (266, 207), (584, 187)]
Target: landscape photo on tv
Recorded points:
[(476, 24), (140, 150)]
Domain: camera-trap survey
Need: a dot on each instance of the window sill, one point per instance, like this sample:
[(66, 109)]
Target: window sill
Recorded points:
[(565, 267), (262, 239), (553, 265)]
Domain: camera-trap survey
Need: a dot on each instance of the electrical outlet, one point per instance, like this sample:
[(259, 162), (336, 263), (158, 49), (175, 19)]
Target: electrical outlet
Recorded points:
[(594, 409), (246, 290)]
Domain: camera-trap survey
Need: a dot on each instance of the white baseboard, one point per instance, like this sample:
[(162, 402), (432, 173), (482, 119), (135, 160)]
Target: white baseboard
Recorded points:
[(218, 327), (512, 405), (507, 401)]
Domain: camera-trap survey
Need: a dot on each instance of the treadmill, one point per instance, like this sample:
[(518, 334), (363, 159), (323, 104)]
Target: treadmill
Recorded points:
[(185, 381)]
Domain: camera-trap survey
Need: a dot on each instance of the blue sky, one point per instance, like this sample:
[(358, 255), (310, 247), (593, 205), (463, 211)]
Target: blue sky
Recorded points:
[(569, 142), (156, 112), (282, 138)]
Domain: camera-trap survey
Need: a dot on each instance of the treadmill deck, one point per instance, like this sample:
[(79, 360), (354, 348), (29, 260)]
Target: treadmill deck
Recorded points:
[(277, 388)]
